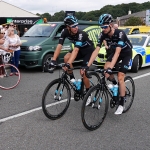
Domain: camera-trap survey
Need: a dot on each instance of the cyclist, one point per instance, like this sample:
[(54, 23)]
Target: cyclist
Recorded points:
[(118, 40), (83, 47)]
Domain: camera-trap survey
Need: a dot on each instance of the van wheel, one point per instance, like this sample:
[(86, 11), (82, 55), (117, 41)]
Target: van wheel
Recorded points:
[(136, 64), (46, 62)]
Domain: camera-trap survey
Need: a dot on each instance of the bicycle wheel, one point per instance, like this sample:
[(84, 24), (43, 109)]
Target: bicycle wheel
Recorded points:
[(130, 92), (94, 114), (6, 81), (56, 99), (95, 79)]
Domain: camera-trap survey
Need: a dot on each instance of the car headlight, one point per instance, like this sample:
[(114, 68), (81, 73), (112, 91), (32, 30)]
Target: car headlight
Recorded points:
[(34, 48)]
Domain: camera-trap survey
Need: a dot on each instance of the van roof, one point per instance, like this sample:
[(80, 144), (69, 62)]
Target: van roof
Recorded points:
[(80, 22)]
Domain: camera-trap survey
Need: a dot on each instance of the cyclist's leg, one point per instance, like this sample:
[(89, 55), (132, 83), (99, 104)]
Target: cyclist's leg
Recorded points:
[(66, 58), (86, 55), (121, 75), (107, 64)]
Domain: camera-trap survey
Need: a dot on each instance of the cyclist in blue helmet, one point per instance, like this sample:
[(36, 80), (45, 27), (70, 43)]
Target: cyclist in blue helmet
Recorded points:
[(122, 51), (83, 47)]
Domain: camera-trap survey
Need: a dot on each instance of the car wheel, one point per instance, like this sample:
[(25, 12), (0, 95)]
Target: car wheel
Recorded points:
[(135, 64), (46, 62)]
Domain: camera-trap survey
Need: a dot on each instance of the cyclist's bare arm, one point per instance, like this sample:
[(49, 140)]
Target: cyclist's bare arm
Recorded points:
[(57, 51), (115, 57), (73, 55), (105, 44), (94, 55)]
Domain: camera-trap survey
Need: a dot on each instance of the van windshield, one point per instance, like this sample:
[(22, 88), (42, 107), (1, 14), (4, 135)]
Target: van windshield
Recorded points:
[(40, 30)]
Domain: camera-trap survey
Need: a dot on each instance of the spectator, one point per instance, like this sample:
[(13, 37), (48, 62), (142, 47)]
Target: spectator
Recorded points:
[(16, 30), (3, 47), (115, 26), (25, 30), (14, 44)]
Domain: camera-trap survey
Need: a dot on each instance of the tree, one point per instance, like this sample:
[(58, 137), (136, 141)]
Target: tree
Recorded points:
[(134, 21)]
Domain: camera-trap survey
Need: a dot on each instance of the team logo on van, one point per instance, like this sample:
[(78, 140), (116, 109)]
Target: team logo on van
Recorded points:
[(94, 33)]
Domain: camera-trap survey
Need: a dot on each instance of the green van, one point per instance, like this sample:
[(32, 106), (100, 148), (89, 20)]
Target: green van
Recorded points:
[(40, 41)]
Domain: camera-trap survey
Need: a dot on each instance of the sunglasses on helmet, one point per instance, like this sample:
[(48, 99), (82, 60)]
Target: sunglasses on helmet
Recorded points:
[(105, 26)]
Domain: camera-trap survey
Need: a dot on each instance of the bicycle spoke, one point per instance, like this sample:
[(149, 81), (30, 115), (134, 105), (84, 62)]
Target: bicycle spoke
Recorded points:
[(56, 99), (94, 114)]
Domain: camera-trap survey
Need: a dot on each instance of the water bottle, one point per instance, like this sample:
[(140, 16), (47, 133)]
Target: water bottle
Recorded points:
[(79, 84), (115, 91), (74, 81), (111, 87)]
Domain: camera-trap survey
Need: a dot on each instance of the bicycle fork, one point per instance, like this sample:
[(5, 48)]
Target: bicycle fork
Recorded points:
[(56, 97), (98, 96)]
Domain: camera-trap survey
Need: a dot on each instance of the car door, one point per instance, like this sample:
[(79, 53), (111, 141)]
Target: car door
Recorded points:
[(147, 48)]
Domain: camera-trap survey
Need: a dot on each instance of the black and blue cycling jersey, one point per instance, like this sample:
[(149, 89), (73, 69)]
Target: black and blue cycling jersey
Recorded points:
[(119, 39), (80, 39)]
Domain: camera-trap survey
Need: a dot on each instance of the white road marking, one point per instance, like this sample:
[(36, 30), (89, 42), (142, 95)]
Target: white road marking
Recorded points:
[(39, 108)]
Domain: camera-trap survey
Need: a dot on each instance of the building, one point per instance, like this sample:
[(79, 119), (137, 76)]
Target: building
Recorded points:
[(121, 20), (22, 18)]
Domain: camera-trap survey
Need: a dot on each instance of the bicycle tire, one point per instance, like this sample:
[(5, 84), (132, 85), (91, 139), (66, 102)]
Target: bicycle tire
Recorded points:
[(51, 93), (104, 104), (94, 74), (9, 82), (129, 93)]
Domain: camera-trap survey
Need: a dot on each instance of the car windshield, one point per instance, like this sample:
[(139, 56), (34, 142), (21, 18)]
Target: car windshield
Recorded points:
[(40, 30), (137, 40), (126, 30)]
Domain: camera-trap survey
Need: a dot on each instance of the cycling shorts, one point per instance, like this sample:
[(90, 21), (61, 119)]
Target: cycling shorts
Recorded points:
[(125, 58), (85, 55)]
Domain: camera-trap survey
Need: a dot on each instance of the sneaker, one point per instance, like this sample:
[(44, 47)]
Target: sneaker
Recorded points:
[(17, 74), (0, 96), (11, 74), (89, 100), (119, 110)]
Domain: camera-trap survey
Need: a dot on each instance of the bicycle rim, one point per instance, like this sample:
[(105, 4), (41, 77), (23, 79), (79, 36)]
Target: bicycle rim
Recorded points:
[(94, 114), (130, 91), (56, 99), (6, 81)]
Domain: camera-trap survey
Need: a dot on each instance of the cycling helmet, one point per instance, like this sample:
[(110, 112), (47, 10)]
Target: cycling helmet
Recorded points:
[(70, 20), (105, 19)]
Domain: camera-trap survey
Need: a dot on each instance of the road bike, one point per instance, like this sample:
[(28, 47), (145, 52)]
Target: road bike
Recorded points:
[(6, 81), (94, 114), (57, 95)]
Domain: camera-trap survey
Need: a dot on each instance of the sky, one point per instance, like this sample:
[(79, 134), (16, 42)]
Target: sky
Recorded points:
[(52, 6)]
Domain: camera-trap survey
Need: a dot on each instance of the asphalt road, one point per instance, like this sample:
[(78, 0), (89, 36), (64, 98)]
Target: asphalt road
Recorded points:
[(23, 126)]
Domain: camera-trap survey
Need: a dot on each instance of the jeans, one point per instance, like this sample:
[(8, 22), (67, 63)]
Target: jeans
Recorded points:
[(15, 60)]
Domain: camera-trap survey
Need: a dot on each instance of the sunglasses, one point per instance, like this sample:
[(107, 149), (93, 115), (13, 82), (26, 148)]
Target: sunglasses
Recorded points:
[(105, 26), (11, 25), (2, 33), (6, 27), (73, 26)]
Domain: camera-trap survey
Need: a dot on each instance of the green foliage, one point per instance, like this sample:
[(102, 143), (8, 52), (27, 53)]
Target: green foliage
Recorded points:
[(115, 10), (133, 21)]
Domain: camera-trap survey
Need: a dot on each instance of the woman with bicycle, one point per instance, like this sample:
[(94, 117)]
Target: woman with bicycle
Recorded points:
[(123, 51), (14, 44)]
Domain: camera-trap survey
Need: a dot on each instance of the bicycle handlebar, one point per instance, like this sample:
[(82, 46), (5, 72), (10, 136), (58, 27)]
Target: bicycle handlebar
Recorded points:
[(104, 71)]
